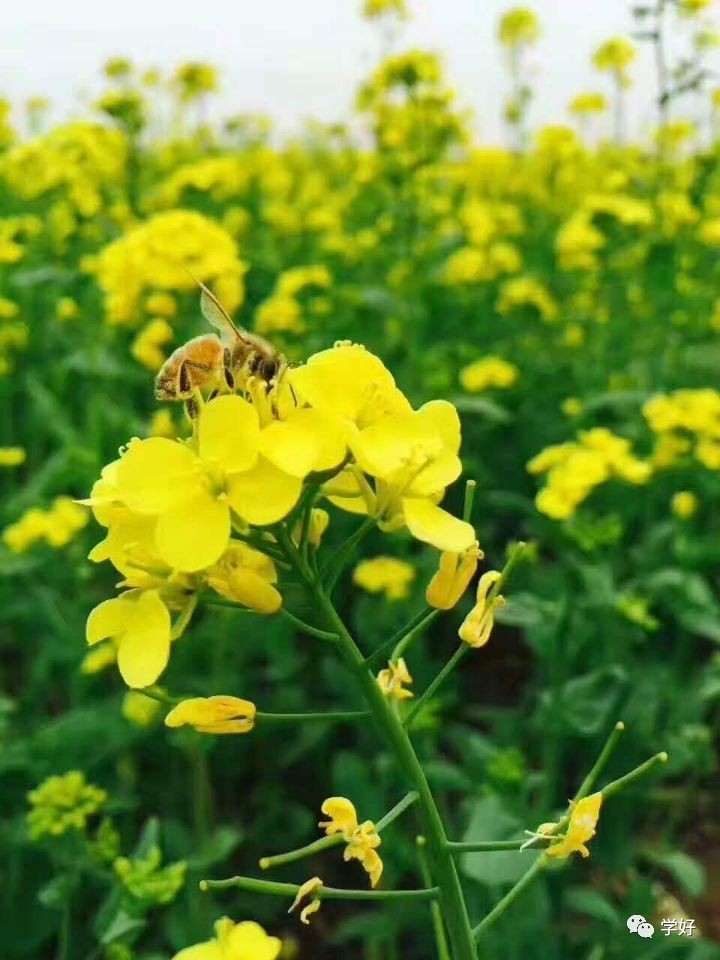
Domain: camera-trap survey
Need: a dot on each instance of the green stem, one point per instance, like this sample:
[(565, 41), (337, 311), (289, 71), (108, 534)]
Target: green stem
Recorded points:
[(607, 751), (407, 801), (317, 846), (470, 488), (405, 641), (437, 682), (441, 943), (510, 897), (337, 562), (387, 648), (486, 846), (273, 888), (306, 627), (330, 715), (636, 774), (63, 949), (444, 869)]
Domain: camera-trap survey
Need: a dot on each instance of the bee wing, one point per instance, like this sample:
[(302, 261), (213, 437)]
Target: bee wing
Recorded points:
[(217, 316)]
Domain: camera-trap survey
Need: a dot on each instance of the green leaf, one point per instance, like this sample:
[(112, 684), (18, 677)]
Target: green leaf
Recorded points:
[(585, 704), (482, 406), (685, 870), (121, 924), (490, 820), (591, 903), (215, 848), (58, 891)]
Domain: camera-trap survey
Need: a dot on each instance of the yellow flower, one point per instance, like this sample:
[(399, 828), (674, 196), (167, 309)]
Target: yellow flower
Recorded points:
[(192, 492), (307, 889), (97, 659), (587, 103), (452, 577), (246, 576), (684, 504), (518, 26), (478, 624), (583, 820), (385, 575), (234, 941), (12, 456), (615, 55), (362, 839), (391, 680), (139, 624), (162, 424), (66, 309), (488, 372), (374, 9), (219, 714)]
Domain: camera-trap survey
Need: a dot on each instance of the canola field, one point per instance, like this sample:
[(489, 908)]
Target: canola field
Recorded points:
[(360, 517)]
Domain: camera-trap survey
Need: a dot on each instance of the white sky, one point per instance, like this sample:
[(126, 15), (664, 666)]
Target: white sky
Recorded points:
[(298, 58)]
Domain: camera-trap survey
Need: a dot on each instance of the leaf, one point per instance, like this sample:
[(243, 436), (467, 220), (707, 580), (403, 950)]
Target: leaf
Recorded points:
[(591, 903), (482, 406), (490, 820), (585, 704), (215, 848), (685, 870), (527, 610), (57, 892), (121, 924)]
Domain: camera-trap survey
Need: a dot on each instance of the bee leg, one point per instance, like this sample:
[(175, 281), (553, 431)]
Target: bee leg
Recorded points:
[(191, 409)]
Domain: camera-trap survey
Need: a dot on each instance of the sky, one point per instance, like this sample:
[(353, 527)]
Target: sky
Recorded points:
[(295, 59)]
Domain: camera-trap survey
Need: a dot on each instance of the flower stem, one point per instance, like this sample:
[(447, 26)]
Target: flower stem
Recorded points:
[(616, 785), (487, 846), (437, 682), (510, 897), (601, 762), (306, 627), (443, 951), (407, 801), (275, 889), (387, 648), (404, 642), (329, 715), (443, 866), (337, 562)]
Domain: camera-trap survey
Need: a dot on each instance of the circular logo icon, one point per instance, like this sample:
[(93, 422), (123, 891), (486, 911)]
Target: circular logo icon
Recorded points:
[(645, 929), (634, 922)]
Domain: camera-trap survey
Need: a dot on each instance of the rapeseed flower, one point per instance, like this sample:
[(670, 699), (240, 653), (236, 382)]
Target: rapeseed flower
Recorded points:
[(477, 626), (386, 575), (361, 838), (395, 679), (218, 714), (63, 803), (453, 577), (234, 941), (581, 828)]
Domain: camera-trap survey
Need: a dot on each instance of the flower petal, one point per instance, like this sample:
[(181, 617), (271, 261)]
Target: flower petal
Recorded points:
[(145, 645), (264, 494), (305, 442), (156, 474), (431, 524), (110, 618), (229, 432), (194, 535)]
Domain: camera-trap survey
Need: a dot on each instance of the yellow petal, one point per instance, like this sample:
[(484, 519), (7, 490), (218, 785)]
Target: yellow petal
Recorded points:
[(156, 474), (445, 420), (431, 524), (229, 432), (305, 442), (343, 818), (264, 494), (145, 645), (194, 535), (387, 446), (440, 473), (250, 589), (110, 618), (210, 950), (249, 940)]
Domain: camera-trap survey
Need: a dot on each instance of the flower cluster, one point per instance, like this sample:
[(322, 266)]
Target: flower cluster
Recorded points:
[(574, 469), (169, 252), (685, 422), (55, 526), (181, 515), (234, 941), (488, 372), (386, 575), (63, 803)]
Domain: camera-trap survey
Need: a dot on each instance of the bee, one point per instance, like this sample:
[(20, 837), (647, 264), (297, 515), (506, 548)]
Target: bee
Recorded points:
[(217, 363)]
